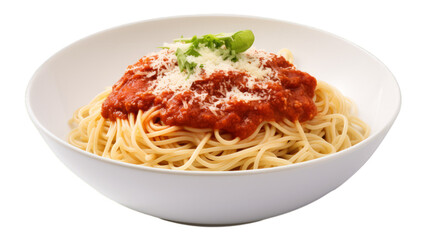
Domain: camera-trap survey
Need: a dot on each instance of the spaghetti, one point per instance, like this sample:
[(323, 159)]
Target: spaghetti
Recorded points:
[(142, 139), (142, 136)]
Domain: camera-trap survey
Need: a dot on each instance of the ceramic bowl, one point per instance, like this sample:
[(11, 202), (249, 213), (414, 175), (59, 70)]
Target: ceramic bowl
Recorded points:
[(73, 76)]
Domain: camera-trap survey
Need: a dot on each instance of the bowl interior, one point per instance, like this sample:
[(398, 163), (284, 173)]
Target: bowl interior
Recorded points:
[(72, 77)]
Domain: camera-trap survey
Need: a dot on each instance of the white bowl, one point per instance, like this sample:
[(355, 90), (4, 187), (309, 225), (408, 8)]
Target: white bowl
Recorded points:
[(73, 76)]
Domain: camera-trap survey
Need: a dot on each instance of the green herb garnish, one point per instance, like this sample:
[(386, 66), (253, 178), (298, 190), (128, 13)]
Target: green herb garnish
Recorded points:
[(234, 44)]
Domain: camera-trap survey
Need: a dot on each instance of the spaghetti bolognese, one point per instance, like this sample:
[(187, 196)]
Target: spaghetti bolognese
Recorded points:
[(213, 103)]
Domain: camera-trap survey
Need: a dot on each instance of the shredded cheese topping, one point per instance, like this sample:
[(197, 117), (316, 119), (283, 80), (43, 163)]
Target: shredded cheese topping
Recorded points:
[(169, 77)]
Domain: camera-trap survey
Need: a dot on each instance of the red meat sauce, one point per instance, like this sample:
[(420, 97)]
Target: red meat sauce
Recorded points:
[(288, 94)]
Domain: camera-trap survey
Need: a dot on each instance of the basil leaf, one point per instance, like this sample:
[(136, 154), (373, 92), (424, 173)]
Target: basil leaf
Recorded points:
[(242, 41)]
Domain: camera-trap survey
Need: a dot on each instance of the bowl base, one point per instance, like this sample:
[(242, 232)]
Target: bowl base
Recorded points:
[(209, 225)]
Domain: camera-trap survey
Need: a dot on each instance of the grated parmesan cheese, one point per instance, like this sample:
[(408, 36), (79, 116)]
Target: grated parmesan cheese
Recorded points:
[(170, 78)]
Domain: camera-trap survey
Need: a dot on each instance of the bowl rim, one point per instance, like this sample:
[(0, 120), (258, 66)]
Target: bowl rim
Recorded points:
[(320, 160)]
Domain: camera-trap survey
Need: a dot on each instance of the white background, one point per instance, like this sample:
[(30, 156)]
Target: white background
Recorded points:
[(41, 199)]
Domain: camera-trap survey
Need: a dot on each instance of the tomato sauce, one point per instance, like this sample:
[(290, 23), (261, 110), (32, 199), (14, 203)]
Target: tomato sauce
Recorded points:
[(288, 94)]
